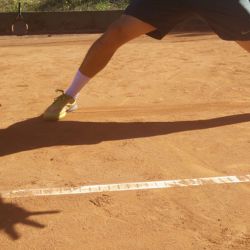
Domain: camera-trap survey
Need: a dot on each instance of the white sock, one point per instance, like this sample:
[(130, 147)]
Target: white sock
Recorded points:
[(78, 83)]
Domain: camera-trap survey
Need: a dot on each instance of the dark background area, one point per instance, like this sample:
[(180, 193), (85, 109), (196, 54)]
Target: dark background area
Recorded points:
[(78, 22)]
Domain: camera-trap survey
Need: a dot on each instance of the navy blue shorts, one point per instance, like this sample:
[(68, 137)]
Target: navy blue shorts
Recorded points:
[(230, 19)]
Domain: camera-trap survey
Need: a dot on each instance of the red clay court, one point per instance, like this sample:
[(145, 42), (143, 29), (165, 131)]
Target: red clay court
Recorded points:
[(162, 110)]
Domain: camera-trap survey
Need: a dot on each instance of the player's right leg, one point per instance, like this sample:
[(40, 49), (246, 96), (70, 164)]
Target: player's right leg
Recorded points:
[(120, 32)]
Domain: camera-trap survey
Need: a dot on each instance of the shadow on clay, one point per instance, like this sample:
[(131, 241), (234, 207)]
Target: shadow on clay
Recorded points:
[(35, 133), (12, 214)]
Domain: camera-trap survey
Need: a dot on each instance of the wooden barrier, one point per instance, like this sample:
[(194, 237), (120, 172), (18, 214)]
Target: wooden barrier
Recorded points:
[(76, 22)]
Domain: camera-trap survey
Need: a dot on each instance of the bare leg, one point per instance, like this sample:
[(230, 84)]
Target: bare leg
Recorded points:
[(245, 45), (123, 30)]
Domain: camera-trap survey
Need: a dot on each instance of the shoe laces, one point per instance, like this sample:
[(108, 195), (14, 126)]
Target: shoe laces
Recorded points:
[(60, 97), (60, 90)]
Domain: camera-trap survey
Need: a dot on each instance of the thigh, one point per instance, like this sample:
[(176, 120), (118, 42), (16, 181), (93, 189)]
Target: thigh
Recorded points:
[(162, 14), (245, 45), (127, 27)]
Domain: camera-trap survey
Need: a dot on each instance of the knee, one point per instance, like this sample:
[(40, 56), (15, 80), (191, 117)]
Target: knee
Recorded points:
[(115, 36)]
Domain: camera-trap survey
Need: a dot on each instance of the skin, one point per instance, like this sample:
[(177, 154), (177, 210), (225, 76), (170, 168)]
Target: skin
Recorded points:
[(120, 32), (245, 45)]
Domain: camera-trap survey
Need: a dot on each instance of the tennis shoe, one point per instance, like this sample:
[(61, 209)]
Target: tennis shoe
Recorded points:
[(60, 107)]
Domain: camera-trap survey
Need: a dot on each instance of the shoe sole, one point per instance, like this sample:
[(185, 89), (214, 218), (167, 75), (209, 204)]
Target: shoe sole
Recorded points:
[(62, 115), (75, 107)]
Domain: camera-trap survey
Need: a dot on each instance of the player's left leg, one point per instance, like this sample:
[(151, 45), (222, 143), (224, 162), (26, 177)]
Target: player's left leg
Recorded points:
[(245, 45)]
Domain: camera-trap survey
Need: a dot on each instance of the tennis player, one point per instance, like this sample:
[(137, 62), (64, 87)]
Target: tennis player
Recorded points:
[(230, 20)]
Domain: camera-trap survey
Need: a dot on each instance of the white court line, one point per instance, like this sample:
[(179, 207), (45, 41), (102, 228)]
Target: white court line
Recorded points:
[(125, 186)]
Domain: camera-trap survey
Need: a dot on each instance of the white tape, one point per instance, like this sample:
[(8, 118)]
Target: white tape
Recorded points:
[(125, 186)]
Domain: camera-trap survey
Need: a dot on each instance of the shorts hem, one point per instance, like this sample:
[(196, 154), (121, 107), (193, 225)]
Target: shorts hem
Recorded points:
[(156, 34)]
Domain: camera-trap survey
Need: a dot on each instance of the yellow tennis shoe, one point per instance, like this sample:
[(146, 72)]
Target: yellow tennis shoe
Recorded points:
[(60, 107)]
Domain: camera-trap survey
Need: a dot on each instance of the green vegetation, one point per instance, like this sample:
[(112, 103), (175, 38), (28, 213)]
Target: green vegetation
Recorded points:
[(62, 5)]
